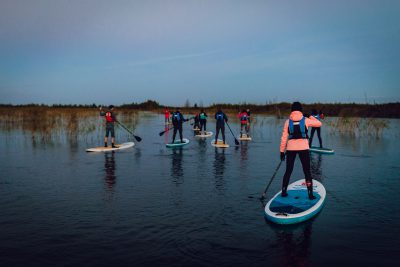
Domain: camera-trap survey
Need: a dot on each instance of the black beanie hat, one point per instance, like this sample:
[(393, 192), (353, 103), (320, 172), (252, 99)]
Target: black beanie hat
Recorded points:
[(296, 106), (110, 106)]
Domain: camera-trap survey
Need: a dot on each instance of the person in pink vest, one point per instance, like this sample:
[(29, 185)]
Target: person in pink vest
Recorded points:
[(294, 141), (244, 122)]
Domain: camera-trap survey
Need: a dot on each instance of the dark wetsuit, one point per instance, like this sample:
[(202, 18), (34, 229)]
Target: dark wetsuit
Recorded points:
[(177, 120), (318, 132), (220, 125), (203, 121), (110, 120)]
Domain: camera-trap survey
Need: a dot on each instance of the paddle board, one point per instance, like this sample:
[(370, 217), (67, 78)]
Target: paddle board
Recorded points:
[(296, 207), (109, 148), (244, 137), (219, 144), (204, 135), (196, 129), (178, 143), (322, 150)]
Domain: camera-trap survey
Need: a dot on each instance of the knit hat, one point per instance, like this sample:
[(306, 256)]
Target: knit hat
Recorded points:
[(296, 106)]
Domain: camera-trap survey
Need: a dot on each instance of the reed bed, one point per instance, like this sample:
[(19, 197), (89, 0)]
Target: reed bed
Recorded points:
[(47, 124), (358, 127)]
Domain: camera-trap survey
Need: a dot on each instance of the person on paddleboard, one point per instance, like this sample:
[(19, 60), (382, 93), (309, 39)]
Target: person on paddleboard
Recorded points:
[(167, 115), (319, 116), (177, 121), (203, 121), (221, 118), (295, 141), (244, 122), (196, 124), (111, 118)]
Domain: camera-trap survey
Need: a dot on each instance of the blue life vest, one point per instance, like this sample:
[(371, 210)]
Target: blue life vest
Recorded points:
[(176, 116), (244, 117), (298, 129), (317, 117), (220, 116)]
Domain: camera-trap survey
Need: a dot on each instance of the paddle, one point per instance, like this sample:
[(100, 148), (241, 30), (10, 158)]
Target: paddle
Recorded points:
[(236, 141), (136, 137), (272, 178), (163, 132)]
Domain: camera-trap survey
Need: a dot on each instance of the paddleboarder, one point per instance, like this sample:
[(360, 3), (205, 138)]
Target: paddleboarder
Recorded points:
[(244, 122), (196, 125), (220, 124), (111, 118), (203, 121), (319, 116), (294, 141), (167, 115), (177, 121)]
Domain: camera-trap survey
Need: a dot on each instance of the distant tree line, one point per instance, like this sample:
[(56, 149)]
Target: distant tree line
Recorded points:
[(388, 110)]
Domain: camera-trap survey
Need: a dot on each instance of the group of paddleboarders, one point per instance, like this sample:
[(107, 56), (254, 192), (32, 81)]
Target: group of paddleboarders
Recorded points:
[(294, 139)]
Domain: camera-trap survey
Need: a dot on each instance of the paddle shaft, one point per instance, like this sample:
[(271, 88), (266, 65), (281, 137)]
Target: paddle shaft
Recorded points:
[(272, 178), (236, 141), (136, 137)]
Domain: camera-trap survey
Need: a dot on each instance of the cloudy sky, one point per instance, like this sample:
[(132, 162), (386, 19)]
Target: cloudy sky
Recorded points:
[(114, 52)]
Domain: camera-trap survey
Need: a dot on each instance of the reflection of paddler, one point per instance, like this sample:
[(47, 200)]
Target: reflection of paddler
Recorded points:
[(109, 167), (295, 141), (221, 118), (177, 170), (319, 116), (111, 118)]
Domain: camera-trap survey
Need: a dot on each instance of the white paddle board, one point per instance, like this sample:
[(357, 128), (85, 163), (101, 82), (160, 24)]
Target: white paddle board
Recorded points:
[(109, 148), (178, 143), (204, 135), (219, 144), (296, 207), (322, 150), (244, 137)]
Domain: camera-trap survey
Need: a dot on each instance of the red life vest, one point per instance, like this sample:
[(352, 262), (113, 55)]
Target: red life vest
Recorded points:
[(109, 117)]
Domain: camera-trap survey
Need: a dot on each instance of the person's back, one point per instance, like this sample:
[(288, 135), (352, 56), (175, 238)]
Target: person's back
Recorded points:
[(221, 118)]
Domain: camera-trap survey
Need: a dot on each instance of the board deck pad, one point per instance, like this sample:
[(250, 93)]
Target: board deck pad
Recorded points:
[(219, 144), (109, 148), (178, 143), (207, 134), (322, 150), (296, 207)]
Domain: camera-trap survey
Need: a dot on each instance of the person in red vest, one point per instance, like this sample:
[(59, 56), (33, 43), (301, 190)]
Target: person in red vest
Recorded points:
[(111, 118), (167, 114), (244, 122)]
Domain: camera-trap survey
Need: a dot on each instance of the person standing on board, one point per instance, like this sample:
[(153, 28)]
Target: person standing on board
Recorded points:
[(196, 125), (244, 122), (167, 114), (111, 118), (203, 121), (177, 121), (295, 141), (319, 116), (220, 124)]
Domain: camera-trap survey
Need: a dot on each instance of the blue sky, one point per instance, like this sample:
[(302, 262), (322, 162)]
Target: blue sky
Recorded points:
[(114, 52)]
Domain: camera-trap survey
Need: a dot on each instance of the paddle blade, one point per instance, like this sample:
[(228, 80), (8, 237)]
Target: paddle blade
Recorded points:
[(163, 132), (236, 142), (138, 138)]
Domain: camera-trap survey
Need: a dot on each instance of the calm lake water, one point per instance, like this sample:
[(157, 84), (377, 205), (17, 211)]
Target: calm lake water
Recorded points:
[(195, 206)]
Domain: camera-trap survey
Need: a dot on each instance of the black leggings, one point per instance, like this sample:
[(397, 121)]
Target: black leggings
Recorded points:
[(305, 162), (203, 123), (318, 134), (222, 128), (176, 128)]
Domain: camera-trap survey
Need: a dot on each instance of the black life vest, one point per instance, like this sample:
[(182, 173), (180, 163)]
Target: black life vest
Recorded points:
[(298, 129)]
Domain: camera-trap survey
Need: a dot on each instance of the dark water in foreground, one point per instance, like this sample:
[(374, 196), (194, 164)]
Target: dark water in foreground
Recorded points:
[(195, 206)]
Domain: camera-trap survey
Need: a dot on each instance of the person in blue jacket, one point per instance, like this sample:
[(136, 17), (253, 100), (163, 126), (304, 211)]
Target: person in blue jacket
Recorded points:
[(221, 118), (177, 121)]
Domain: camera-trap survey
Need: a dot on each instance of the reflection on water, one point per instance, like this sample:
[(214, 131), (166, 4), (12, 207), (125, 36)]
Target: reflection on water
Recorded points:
[(109, 168), (176, 165), (295, 242), (219, 168), (316, 171)]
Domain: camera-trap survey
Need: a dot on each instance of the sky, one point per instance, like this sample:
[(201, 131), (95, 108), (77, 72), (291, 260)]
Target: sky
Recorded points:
[(115, 52)]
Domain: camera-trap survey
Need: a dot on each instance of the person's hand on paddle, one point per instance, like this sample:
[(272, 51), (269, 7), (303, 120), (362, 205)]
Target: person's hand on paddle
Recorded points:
[(282, 156)]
